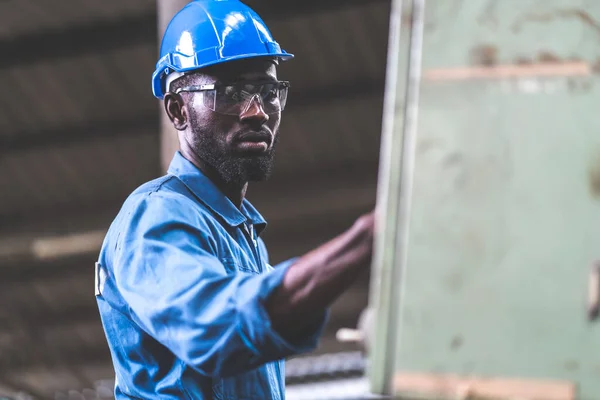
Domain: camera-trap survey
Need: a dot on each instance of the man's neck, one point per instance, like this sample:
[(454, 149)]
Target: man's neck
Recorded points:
[(235, 193)]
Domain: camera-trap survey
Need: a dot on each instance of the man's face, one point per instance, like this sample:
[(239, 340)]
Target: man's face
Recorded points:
[(239, 145)]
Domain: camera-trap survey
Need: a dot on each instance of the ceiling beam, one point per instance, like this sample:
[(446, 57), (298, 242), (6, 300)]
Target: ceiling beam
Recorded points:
[(85, 311), (29, 270), (76, 41), (14, 361), (103, 35), (145, 123), (270, 10), (14, 389)]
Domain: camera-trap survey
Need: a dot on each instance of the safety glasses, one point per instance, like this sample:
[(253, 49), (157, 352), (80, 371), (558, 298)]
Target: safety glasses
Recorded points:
[(235, 99)]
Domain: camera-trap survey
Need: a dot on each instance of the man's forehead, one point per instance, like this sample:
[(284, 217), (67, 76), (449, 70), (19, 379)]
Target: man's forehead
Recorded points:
[(253, 69)]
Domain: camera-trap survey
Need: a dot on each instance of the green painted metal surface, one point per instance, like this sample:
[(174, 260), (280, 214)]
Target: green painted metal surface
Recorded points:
[(505, 203), (384, 293)]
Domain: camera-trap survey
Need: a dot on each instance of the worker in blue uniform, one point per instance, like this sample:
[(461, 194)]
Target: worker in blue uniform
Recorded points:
[(190, 305)]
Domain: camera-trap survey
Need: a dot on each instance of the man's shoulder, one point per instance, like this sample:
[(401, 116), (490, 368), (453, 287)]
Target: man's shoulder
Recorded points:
[(165, 196), (166, 188), (164, 184), (152, 205)]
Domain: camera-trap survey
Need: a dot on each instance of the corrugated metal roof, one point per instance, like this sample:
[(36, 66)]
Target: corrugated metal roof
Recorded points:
[(93, 172), (48, 95), (345, 45), (21, 17)]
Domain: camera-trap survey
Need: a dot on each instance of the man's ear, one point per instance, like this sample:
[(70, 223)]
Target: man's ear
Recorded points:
[(176, 110)]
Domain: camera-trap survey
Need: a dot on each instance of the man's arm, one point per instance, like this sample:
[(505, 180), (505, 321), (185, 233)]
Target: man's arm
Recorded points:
[(315, 280), (165, 266)]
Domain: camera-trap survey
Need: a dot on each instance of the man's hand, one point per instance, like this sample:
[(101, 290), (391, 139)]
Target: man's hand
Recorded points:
[(364, 231), (320, 276)]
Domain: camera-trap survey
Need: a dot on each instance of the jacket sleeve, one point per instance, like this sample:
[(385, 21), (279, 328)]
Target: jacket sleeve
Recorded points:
[(166, 268)]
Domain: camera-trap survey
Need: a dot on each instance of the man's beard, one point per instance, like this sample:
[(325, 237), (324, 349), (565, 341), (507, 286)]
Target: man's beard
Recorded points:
[(232, 166)]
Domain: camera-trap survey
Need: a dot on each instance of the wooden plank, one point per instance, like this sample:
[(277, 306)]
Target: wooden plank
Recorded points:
[(578, 68), (454, 386)]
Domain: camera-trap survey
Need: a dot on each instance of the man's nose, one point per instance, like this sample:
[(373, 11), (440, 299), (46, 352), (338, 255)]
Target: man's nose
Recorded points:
[(254, 112)]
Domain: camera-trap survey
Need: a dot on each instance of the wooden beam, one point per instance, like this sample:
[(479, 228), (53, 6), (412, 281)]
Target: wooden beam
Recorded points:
[(460, 387), (538, 70)]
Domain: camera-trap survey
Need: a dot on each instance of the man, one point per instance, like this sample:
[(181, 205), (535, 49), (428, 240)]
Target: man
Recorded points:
[(189, 303)]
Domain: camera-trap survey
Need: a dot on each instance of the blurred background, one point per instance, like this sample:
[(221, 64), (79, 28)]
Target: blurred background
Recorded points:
[(80, 129), (506, 161)]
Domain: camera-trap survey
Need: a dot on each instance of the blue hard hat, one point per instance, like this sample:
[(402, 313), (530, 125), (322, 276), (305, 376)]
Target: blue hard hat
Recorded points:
[(208, 32)]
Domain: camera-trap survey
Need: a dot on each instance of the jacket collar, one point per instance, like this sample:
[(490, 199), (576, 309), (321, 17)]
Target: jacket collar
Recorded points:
[(208, 193)]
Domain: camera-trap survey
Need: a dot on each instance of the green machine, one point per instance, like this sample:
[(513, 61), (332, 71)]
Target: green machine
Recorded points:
[(485, 282)]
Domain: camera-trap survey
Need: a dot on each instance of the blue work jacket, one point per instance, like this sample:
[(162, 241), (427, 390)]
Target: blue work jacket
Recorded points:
[(181, 284)]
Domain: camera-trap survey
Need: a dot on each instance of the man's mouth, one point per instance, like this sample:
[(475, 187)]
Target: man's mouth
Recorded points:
[(254, 142)]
